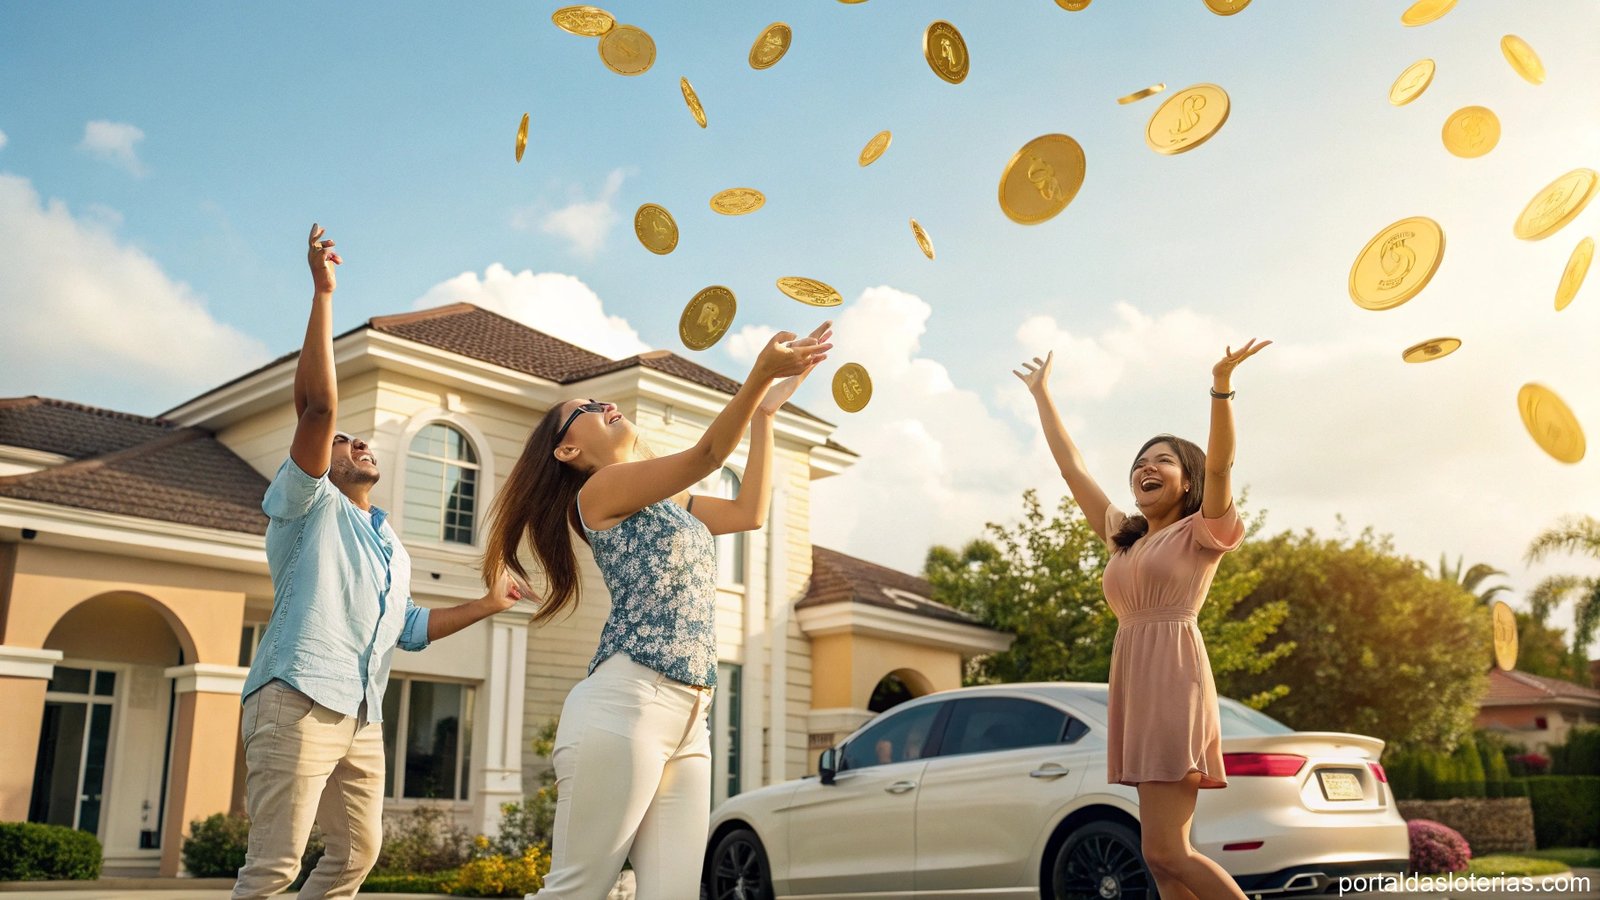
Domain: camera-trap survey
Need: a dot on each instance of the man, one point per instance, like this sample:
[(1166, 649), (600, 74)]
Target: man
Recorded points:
[(341, 587)]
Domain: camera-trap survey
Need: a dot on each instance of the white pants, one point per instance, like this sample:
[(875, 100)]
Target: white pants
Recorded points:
[(633, 781)]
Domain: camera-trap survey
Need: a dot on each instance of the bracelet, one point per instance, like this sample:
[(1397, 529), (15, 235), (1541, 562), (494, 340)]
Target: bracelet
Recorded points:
[(1215, 395)]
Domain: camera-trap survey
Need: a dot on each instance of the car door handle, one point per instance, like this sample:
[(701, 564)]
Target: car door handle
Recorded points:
[(1049, 770), (900, 787)]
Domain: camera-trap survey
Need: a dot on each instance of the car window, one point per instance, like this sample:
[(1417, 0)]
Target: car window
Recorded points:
[(898, 737), (1239, 720), (988, 724)]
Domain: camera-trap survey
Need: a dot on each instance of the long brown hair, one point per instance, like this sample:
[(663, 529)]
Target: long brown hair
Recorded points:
[(539, 503), (1192, 460)]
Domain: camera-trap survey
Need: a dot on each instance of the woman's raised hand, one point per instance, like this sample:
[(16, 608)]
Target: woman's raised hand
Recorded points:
[(779, 394), (322, 259), (1036, 374), (785, 356), (1231, 358)]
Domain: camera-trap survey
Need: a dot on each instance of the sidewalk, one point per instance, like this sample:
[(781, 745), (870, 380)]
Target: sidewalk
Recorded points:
[(151, 889)]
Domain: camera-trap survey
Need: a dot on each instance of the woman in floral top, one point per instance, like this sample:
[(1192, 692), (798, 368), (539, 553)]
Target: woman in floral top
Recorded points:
[(633, 753)]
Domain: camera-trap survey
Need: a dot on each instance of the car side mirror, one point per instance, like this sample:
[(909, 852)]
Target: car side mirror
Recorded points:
[(828, 765)]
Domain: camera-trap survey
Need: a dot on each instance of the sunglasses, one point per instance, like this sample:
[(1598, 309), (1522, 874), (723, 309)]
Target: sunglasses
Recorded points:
[(593, 406)]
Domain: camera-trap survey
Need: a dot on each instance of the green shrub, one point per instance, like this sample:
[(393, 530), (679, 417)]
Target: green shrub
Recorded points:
[(216, 845), (33, 852), (1566, 810), (500, 876), (402, 883), (424, 839), (1580, 755)]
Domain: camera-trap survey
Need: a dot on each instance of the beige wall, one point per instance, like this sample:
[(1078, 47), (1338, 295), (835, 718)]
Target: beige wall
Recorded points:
[(1522, 722), (849, 667)]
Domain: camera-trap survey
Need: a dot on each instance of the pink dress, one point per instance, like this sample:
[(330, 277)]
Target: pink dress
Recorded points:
[(1163, 719)]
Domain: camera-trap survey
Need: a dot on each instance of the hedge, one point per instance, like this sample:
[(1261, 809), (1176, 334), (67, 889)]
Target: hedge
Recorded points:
[(33, 852)]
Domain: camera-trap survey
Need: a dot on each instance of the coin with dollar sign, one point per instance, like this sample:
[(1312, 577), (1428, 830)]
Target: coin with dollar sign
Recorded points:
[(1188, 119), (852, 387), (1041, 179), (1559, 203), (1471, 131), (1397, 263)]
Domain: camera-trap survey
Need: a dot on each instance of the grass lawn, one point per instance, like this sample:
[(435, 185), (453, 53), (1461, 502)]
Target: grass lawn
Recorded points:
[(1504, 864), (1577, 857)]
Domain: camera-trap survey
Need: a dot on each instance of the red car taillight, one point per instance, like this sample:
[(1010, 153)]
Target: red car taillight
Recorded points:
[(1377, 769), (1270, 764)]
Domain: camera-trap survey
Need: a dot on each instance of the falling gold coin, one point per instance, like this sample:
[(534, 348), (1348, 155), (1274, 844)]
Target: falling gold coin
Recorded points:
[(1397, 264), (655, 229), (1150, 91), (1424, 11), (738, 201), (852, 387), (1549, 421), (584, 21), (1471, 131), (1428, 351), (627, 50), (1522, 58), (707, 317), (946, 51), (1188, 119), (693, 99), (810, 291), (1041, 179), (1073, 5), (522, 137), (921, 235), (1559, 203), (1572, 277), (875, 148), (1226, 7), (1412, 82), (770, 46), (1505, 636)]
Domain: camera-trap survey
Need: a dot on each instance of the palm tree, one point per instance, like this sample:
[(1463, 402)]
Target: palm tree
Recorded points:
[(1471, 578), (1579, 535)]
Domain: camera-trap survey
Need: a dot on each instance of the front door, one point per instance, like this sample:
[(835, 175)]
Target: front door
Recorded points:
[(69, 775)]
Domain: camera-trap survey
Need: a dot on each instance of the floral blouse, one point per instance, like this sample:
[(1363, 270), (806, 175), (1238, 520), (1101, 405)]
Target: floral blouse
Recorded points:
[(660, 566)]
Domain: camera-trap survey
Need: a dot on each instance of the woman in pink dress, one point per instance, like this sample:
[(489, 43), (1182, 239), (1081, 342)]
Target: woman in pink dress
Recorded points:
[(1164, 735)]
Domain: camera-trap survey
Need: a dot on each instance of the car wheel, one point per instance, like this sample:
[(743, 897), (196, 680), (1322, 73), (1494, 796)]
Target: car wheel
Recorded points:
[(739, 868), (1101, 861)]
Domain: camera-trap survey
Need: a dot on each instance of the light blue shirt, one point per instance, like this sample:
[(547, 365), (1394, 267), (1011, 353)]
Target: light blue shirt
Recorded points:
[(341, 596)]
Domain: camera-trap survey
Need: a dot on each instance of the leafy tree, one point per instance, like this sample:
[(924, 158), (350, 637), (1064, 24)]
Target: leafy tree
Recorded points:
[(1579, 535), (1040, 579), (1470, 579)]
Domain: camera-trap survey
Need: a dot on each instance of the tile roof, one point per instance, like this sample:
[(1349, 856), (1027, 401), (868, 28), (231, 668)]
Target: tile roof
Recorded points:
[(1516, 688), (131, 465), (838, 578)]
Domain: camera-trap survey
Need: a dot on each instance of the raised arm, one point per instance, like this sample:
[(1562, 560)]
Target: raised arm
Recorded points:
[(316, 396), (618, 491), (1091, 499), (748, 510), (1220, 445)]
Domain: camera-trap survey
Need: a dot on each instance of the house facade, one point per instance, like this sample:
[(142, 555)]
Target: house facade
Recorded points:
[(134, 586), (1536, 711)]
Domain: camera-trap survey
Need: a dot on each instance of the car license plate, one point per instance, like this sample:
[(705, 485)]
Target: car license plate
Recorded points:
[(1340, 786)]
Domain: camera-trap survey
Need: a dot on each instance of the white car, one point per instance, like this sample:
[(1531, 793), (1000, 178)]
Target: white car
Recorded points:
[(1000, 792)]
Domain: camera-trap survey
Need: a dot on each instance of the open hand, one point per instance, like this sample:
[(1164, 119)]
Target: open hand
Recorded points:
[(779, 394), (1036, 375), (1231, 358), (322, 260), (785, 356)]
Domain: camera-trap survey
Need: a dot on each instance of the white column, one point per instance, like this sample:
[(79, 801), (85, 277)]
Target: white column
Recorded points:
[(778, 628), (497, 775), (206, 678)]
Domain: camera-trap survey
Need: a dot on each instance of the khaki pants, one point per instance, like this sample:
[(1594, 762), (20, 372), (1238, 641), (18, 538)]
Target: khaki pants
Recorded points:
[(304, 763)]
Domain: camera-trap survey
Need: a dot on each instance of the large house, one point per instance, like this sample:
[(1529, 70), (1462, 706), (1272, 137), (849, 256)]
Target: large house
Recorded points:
[(134, 585), (1536, 711)]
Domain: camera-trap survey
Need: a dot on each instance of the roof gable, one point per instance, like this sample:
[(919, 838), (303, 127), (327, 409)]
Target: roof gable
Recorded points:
[(839, 578)]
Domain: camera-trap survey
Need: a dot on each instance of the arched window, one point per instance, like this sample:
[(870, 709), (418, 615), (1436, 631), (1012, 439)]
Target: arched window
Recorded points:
[(730, 547), (441, 497)]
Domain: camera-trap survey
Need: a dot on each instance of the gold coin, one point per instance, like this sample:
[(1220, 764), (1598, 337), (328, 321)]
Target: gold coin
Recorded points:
[(852, 387), (1471, 131), (1188, 119), (1041, 179), (1572, 277), (707, 317), (1505, 636), (921, 235), (1397, 264), (1428, 351), (1412, 82), (946, 51), (584, 21), (1226, 7), (874, 148), (522, 137), (1550, 423), (1522, 58), (770, 46), (810, 291), (1424, 11), (1073, 5), (655, 229), (693, 99), (738, 201), (627, 50), (1150, 91), (1556, 205)]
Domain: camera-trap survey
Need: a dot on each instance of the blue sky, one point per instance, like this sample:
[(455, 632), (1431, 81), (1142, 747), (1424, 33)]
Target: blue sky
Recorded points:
[(160, 250)]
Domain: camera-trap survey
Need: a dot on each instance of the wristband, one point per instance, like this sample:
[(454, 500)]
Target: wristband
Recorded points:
[(1216, 395)]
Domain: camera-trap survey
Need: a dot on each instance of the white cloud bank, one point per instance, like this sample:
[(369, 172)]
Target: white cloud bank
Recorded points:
[(583, 223), (114, 142), (558, 305)]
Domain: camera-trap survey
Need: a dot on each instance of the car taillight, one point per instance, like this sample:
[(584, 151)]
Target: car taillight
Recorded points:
[(1377, 769), (1270, 764), (1244, 845)]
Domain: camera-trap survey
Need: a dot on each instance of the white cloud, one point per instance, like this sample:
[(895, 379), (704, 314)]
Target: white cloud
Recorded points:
[(2, 140), (583, 223), (91, 318), (556, 304), (114, 142), (746, 344)]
